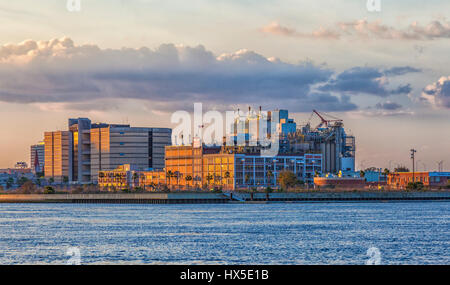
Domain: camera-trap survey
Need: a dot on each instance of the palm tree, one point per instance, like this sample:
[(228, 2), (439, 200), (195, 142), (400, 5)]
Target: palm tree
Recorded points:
[(142, 180), (135, 177), (169, 175), (178, 175), (269, 176), (209, 177), (188, 179), (247, 178)]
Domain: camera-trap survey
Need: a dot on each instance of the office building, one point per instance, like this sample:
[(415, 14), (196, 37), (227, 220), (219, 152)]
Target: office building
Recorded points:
[(37, 157), (79, 153), (58, 158), (112, 146)]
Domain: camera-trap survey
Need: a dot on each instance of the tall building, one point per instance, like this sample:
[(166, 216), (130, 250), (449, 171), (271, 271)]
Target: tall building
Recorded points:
[(81, 158), (58, 158), (287, 125), (112, 146), (87, 147), (37, 157)]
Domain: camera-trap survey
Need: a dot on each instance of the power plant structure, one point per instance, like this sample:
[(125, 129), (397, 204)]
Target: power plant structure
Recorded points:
[(328, 138)]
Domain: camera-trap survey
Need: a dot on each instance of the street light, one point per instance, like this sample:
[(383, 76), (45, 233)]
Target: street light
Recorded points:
[(413, 151)]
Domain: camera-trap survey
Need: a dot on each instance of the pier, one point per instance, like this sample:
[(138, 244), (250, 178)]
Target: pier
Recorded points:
[(236, 197)]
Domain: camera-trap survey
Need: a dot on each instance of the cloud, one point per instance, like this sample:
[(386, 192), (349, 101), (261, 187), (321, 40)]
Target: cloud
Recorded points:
[(67, 75), (383, 109), (382, 113), (400, 70), (276, 29), (368, 80), (438, 93), (388, 105), (368, 30)]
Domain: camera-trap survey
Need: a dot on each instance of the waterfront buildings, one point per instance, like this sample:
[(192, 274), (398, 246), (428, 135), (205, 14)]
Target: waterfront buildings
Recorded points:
[(194, 167), (58, 156), (112, 146), (37, 157), (340, 182), (328, 137), (401, 180), (9, 177), (77, 155)]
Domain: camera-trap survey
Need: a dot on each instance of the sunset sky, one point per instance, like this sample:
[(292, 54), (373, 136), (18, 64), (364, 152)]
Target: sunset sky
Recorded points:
[(387, 73)]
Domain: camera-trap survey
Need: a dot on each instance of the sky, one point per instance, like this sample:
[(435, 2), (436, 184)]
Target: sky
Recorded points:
[(386, 73)]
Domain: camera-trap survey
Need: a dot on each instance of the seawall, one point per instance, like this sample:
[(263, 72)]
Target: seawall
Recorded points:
[(197, 198)]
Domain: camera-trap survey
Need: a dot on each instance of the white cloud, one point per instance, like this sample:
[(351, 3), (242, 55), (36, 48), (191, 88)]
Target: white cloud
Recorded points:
[(368, 30), (63, 74), (438, 93), (277, 29)]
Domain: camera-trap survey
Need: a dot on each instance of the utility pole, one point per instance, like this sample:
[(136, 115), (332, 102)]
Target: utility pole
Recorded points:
[(440, 165), (413, 151)]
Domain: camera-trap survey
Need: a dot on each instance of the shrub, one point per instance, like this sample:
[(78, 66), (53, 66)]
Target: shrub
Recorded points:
[(77, 190), (27, 188), (49, 190), (415, 186)]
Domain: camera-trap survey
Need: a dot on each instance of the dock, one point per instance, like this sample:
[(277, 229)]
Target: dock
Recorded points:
[(234, 197)]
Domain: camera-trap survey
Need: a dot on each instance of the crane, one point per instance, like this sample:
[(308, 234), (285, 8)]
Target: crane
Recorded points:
[(325, 121)]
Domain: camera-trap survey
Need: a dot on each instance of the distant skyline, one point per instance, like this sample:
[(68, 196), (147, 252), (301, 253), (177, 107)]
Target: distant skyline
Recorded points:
[(386, 74)]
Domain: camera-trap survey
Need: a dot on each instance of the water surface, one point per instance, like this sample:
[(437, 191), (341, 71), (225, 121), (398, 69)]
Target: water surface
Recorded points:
[(294, 233)]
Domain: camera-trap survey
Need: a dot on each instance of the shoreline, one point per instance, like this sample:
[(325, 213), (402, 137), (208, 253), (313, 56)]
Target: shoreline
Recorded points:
[(231, 197)]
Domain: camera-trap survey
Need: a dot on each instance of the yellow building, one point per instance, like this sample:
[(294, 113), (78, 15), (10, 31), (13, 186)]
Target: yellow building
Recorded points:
[(128, 177), (57, 156), (189, 167)]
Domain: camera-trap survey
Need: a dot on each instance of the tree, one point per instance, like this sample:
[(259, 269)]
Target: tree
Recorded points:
[(51, 180), (287, 179), (135, 178), (362, 173), (401, 168), (386, 171), (22, 180), (27, 188), (9, 182), (65, 179), (177, 175), (269, 176), (209, 177), (49, 190), (415, 186), (371, 169), (247, 178), (169, 175), (188, 178)]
